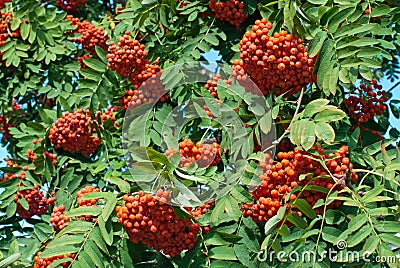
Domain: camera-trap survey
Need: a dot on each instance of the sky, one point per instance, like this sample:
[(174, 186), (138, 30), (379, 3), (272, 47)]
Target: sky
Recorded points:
[(213, 56)]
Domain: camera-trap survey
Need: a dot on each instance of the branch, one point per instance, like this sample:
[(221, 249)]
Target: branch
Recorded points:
[(287, 131)]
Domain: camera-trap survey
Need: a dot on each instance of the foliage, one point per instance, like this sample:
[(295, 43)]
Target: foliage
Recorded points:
[(49, 70)]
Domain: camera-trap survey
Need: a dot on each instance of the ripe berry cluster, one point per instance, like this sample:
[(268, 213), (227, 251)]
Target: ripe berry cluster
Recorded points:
[(81, 58), (134, 98), (9, 176), (71, 5), (89, 202), (46, 262), (5, 30), (149, 219), (58, 218), (38, 204), (5, 119), (199, 211), (5, 127), (231, 11), (3, 3), (127, 58), (280, 177), (74, 132), (211, 85), (274, 62), (204, 154), (366, 102), (91, 35), (182, 3), (47, 155)]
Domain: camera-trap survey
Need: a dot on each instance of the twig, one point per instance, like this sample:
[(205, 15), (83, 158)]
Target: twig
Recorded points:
[(287, 131)]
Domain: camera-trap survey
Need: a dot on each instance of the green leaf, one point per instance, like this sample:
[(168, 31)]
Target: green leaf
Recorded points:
[(94, 253), (359, 42), (23, 202), (96, 236), (232, 208), (57, 262), (372, 193), (11, 209), (109, 207), (66, 240), (106, 230), (271, 224), (10, 260), (295, 132), (330, 115), (222, 253), (297, 220), (359, 236), (218, 211), (212, 39), (193, 16), (325, 132), (390, 239), (353, 29), (324, 62), (25, 28), (371, 244), (380, 10), (95, 64), (59, 250), (304, 207), (314, 107), (307, 134), (83, 211), (317, 43)]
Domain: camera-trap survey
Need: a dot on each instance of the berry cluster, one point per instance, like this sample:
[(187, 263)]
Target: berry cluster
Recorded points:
[(134, 98), (366, 102), (91, 36), (9, 176), (211, 85), (274, 62), (74, 132), (71, 5), (280, 177), (231, 11), (108, 114), (3, 3), (47, 155), (5, 30), (127, 58), (81, 58), (58, 218), (5, 127), (199, 211), (38, 204), (204, 154), (5, 119), (89, 202), (46, 262), (149, 219), (182, 3)]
